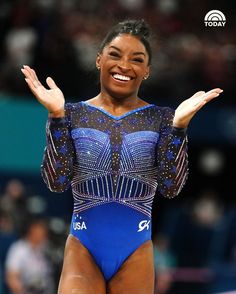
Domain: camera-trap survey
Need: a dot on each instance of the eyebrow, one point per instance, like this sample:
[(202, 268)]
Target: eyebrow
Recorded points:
[(135, 53)]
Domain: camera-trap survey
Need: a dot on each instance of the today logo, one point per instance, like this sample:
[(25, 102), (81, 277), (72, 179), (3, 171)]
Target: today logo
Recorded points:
[(215, 18)]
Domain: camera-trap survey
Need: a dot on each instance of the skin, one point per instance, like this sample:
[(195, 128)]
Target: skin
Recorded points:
[(125, 55)]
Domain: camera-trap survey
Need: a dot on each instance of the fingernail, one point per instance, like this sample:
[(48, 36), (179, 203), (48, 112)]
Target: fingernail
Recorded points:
[(221, 91)]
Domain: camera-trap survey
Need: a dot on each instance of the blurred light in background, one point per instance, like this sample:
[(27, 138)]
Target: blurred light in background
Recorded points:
[(36, 205), (227, 123), (57, 225), (211, 161)]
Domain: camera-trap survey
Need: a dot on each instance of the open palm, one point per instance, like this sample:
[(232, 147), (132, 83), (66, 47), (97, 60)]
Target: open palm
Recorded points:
[(52, 99), (189, 107)]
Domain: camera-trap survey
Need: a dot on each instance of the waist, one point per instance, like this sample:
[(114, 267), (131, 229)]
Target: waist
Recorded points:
[(111, 218)]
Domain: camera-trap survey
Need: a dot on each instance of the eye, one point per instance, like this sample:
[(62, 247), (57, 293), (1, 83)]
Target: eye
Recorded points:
[(114, 54), (138, 60)]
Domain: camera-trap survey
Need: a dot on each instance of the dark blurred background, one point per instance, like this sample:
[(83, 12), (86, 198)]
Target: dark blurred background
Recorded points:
[(195, 233)]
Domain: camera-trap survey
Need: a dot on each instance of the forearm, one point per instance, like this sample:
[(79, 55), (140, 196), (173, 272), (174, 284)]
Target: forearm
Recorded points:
[(14, 283), (173, 163), (172, 157), (58, 157)]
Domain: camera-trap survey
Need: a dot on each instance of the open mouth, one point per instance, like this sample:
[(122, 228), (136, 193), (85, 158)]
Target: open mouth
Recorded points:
[(121, 78)]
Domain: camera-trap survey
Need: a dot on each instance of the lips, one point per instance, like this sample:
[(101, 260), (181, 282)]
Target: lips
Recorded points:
[(121, 77)]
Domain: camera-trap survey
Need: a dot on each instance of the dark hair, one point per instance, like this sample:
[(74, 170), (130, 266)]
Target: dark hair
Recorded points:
[(138, 28), (31, 221)]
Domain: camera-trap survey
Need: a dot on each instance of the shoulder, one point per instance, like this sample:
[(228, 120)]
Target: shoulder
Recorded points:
[(73, 105), (72, 108), (19, 246), (164, 111), (17, 255), (17, 251)]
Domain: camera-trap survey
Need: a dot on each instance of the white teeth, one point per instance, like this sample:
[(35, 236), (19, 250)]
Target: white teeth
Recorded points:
[(121, 77)]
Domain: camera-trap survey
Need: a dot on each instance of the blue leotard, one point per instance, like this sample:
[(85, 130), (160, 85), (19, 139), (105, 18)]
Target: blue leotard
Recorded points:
[(114, 165)]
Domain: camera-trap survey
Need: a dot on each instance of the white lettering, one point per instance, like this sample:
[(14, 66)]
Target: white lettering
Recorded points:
[(79, 226), (215, 23)]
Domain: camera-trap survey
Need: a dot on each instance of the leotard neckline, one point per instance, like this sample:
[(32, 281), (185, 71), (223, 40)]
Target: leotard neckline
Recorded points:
[(121, 116)]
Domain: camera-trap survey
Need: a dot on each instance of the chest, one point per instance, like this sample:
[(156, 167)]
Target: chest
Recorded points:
[(128, 141)]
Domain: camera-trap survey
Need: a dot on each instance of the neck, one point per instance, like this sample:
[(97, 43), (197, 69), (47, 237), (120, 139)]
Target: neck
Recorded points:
[(110, 100), (32, 242)]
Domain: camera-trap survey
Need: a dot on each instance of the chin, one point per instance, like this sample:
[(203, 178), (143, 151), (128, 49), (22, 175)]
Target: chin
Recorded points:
[(120, 93)]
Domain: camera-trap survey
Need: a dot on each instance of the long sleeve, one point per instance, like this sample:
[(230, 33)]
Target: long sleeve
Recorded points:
[(172, 157), (59, 153)]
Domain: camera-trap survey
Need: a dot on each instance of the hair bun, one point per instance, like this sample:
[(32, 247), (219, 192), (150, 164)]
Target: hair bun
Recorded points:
[(135, 27)]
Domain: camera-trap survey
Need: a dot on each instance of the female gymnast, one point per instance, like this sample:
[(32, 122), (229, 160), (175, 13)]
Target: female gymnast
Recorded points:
[(115, 151)]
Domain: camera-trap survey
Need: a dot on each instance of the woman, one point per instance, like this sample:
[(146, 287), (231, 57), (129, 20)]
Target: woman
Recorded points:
[(115, 150)]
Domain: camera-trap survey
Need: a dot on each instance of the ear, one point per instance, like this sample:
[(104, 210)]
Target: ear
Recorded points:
[(147, 71), (98, 60)]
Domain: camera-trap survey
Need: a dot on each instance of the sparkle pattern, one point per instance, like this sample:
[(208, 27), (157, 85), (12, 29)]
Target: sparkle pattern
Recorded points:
[(106, 158)]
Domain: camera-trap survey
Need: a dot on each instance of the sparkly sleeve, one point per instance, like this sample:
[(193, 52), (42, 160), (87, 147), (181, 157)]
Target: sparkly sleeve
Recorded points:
[(59, 154), (172, 157)]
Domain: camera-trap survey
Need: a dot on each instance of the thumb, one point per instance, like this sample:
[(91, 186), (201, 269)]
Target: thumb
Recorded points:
[(199, 93), (51, 83)]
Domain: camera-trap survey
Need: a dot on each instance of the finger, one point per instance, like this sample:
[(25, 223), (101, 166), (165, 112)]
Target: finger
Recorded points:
[(216, 90), (208, 97), (51, 83), (34, 74), (205, 99), (27, 74), (29, 71), (199, 93), (199, 106), (31, 85), (37, 91), (197, 96), (196, 100)]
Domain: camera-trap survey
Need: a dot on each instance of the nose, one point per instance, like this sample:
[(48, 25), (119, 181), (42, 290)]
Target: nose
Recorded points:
[(124, 65)]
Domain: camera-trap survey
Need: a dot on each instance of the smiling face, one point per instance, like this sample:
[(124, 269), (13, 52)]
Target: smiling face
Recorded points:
[(123, 65)]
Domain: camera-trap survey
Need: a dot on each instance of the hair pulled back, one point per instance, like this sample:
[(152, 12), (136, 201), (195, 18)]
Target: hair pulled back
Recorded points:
[(137, 28)]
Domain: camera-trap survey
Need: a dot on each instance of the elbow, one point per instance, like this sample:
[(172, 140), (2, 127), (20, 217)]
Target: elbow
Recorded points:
[(169, 193), (57, 185), (57, 189), (172, 187)]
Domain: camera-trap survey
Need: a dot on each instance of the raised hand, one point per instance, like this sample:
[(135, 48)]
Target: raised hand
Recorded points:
[(52, 99), (188, 108)]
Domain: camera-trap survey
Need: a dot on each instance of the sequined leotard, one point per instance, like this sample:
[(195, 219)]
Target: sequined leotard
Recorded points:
[(114, 166)]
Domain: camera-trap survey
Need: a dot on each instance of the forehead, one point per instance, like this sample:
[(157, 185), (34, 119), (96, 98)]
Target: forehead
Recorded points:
[(127, 43)]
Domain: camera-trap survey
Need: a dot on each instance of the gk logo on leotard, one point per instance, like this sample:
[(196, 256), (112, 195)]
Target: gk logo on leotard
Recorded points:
[(144, 224)]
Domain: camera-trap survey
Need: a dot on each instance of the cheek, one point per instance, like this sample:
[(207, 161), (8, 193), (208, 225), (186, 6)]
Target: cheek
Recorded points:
[(140, 73), (105, 68)]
